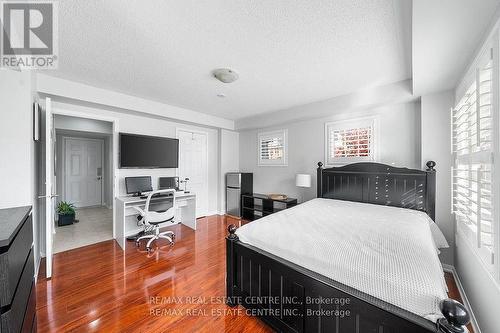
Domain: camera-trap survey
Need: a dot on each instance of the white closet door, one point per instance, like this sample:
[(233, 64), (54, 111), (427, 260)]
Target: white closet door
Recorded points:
[(83, 172), (193, 165)]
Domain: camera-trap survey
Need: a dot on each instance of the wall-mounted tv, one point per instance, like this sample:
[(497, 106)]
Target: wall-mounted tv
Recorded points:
[(141, 151)]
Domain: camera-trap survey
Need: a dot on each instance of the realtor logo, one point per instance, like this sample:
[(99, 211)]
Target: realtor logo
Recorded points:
[(29, 34)]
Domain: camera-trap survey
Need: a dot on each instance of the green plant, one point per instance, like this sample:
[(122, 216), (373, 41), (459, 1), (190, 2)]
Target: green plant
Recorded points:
[(65, 208)]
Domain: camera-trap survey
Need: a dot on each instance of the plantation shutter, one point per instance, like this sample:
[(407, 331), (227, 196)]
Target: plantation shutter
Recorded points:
[(472, 146), (350, 141), (272, 148)]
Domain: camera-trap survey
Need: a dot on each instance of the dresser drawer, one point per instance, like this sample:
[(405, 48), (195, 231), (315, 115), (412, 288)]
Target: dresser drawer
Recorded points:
[(12, 319), (12, 261), (29, 322)]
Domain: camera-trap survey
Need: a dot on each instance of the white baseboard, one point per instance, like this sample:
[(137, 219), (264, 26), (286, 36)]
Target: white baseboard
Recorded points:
[(37, 268), (451, 269)]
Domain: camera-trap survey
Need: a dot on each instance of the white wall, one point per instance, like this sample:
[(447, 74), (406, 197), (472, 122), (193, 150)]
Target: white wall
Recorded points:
[(141, 124), (81, 124), (399, 144), (436, 133), (16, 139), (18, 172), (482, 291), (229, 161)]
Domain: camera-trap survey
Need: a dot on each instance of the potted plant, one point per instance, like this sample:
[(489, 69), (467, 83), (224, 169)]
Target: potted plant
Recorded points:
[(66, 213)]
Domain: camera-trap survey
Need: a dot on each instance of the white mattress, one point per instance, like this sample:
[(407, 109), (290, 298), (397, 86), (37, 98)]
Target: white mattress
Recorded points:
[(386, 252)]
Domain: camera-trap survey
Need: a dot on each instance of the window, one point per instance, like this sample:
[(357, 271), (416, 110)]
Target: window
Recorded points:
[(350, 141), (473, 147), (273, 148)]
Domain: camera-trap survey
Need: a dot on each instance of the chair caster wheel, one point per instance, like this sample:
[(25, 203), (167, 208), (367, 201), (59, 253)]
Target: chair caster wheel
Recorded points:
[(149, 249), (172, 243), (137, 244), (173, 237)]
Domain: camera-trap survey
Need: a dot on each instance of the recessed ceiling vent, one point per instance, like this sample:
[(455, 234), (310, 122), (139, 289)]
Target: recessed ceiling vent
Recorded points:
[(225, 75)]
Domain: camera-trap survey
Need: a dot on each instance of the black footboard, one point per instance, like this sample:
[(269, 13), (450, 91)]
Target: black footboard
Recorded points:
[(291, 298)]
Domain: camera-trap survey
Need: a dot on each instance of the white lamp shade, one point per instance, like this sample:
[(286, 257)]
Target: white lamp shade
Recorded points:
[(303, 180)]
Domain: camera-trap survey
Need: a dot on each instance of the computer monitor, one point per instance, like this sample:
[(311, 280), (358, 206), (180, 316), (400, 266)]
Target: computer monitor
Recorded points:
[(168, 183), (137, 185)]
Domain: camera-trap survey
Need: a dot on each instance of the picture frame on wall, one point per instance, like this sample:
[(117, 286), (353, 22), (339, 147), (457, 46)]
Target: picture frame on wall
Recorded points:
[(36, 121)]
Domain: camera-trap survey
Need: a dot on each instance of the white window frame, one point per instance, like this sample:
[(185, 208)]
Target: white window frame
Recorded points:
[(352, 124), (490, 262), (268, 134)]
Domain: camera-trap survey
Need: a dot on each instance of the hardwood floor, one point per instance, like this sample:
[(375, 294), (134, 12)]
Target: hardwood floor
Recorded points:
[(175, 289)]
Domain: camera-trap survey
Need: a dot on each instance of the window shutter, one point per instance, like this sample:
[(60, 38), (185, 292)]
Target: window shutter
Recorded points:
[(272, 148), (350, 141), (472, 121)]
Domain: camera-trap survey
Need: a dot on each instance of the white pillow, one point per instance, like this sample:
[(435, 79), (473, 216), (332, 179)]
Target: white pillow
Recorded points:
[(438, 236)]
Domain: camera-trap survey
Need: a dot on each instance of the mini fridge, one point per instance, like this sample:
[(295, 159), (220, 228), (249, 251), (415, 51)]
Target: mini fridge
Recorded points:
[(237, 183)]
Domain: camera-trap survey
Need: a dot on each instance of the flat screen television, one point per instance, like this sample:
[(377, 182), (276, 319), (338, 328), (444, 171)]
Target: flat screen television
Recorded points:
[(141, 151)]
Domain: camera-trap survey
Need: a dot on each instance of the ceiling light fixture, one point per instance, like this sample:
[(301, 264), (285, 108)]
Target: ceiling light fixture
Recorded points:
[(225, 75), (221, 95)]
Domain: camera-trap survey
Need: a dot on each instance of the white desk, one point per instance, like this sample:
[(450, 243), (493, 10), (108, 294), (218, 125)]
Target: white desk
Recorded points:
[(126, 216)]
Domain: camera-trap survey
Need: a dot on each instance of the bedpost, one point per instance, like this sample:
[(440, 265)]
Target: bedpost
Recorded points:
[(230, 266), (319, 180), (455, 318), (430, 196)]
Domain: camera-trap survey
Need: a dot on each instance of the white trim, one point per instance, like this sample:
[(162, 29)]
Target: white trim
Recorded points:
[(451, 269), (374, 120), (274, 163), (114, 143)]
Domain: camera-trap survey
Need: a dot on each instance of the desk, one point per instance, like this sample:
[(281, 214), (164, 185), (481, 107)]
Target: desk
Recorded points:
[(126, 215)]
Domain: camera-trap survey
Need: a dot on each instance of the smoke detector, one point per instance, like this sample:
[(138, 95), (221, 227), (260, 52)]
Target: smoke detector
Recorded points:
[(225, 75)]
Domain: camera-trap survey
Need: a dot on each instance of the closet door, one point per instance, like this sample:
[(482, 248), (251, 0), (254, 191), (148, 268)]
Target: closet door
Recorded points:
[(193, 165)]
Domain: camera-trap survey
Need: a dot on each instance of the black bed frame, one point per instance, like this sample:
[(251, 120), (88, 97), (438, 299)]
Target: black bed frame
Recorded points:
[(291, 298)]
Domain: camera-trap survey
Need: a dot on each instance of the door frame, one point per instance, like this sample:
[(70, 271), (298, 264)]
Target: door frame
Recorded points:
[(114, 143), (197, 131), (63, 164)]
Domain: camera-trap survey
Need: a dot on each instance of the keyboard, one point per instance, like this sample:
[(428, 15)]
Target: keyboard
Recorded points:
[(157, 196)]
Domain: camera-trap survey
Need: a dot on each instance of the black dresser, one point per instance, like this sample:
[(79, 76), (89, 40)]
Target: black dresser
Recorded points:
[(17, 271), (257, 205)]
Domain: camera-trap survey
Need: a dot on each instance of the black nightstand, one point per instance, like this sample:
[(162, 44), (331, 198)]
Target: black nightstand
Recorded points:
[(255, 206)]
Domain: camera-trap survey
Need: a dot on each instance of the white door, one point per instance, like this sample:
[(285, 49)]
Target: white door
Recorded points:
[(193, 165), (49, 191), (83, 171)]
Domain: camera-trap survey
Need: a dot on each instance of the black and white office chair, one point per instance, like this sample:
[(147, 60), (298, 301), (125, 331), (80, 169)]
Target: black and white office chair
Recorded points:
[(152, 219)]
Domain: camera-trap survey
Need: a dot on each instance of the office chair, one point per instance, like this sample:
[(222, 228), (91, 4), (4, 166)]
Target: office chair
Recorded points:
[(151, 220)]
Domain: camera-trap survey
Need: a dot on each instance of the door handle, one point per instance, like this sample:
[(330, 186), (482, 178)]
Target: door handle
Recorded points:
[(48, 196)]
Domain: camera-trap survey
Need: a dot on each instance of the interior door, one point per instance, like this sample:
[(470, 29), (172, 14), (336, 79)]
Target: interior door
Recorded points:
[(193, 165), (49, 188), (83, 171)]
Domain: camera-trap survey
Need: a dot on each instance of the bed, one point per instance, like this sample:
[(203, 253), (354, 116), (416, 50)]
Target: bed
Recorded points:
[(362, 257)]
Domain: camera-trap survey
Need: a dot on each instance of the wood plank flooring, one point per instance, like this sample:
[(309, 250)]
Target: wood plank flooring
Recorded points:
[(100, 288)]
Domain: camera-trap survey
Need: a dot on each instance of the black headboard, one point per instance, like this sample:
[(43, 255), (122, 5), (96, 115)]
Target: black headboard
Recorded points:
[(381, 184)]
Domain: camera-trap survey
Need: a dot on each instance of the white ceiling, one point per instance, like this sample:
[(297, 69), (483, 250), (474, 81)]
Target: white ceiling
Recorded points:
[(446, 33), (287, 53)]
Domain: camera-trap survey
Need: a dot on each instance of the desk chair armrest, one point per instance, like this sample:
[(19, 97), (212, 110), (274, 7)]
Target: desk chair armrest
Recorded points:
[(140, 211)]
